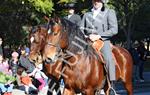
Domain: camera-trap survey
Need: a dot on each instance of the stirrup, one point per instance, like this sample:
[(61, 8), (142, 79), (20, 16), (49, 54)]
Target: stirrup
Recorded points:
[(112, 91)]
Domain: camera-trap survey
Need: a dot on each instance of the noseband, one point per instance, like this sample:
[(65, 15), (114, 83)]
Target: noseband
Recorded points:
[(58, 54)]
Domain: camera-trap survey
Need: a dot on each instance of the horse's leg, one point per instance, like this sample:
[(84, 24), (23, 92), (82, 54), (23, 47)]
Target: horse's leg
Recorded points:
[(106, 89), (129, 87), (107, 86), (57, 88), (54, 85), (89, 91), (68, 92), (51, 87)]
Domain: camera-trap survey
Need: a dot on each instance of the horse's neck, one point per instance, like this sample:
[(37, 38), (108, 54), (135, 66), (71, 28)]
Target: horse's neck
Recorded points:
[(63, 40)]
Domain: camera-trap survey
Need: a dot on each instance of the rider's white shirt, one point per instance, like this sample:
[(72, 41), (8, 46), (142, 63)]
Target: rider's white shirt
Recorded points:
[(96, 12)]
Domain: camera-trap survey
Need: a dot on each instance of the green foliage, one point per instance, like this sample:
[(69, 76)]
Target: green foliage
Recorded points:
[(132, 22), (14, 14), (68, 1), (43, 6), (5, 78)]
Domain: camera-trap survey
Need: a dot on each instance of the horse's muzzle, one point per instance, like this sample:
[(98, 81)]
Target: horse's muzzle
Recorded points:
[(49, 61)]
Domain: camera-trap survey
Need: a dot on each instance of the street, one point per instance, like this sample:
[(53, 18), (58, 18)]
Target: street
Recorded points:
[(140, 88)]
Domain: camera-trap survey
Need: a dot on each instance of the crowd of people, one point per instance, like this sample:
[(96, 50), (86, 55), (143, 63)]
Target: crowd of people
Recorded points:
[(18, 72)]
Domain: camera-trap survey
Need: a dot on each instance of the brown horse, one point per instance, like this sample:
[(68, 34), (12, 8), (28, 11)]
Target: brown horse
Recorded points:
[(37, 39), (83, 68)]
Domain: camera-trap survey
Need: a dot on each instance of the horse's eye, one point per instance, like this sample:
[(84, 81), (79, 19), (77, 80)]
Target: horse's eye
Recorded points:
[(55, 33)]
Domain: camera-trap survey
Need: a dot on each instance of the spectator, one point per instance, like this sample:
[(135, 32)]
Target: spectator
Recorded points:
[(6, 85), (24, 61), (142, 54), (6, 77), (19, 50), (27, 50), (136, 60), (26, 83), (40, 76), (14, 63), (29, 69), (4, 66)]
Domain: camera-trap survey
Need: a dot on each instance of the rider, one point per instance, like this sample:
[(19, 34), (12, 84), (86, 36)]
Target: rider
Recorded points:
[(72, 16), (101, 23)]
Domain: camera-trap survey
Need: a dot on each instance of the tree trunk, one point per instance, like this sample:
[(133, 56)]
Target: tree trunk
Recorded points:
[(129, 32)]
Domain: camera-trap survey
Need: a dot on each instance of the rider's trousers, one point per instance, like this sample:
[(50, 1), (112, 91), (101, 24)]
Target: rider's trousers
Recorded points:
[(108, 58)]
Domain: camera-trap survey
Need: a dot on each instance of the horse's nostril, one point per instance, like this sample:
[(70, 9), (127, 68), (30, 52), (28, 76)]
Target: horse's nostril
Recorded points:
[(34, 60), (48, 60)]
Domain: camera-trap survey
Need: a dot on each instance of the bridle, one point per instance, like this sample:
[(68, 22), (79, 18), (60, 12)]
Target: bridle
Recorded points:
[(58, 55), (59, 51)]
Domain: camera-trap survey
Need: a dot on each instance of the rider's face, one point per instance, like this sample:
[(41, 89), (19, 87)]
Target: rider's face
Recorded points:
[(97, 4), (71, 11)]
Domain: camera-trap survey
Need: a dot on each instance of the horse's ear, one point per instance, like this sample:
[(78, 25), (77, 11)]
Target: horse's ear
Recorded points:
[(39, 28), (58, 20), (47, 18), (30, 29)]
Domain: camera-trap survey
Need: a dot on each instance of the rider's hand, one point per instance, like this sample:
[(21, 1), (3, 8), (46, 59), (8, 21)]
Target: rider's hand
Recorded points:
[(94, 37)]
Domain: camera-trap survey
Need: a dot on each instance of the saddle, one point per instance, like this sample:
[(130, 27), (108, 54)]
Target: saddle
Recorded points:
[(97, 45)]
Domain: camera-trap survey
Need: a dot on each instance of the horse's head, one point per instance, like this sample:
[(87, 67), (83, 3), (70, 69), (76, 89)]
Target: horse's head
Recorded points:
[(55, 41), (37, 41)]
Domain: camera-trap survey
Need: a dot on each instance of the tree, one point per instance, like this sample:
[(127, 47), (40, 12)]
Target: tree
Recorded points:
[(43, 6), (127, 11), (15, 14)]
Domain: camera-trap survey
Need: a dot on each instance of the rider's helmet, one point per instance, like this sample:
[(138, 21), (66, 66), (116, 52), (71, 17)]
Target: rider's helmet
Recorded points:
[(71, 5), (103, 1)]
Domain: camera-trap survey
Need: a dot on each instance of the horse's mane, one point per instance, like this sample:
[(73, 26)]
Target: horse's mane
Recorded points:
[(34, 28), (74, 32)]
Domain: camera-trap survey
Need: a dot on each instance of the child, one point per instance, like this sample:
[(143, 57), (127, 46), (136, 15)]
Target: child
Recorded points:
[(6, 77), (24, 81), (27, 82), (14, 63), (25, 62), (4, 66), (6, 85), (42, 78)]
